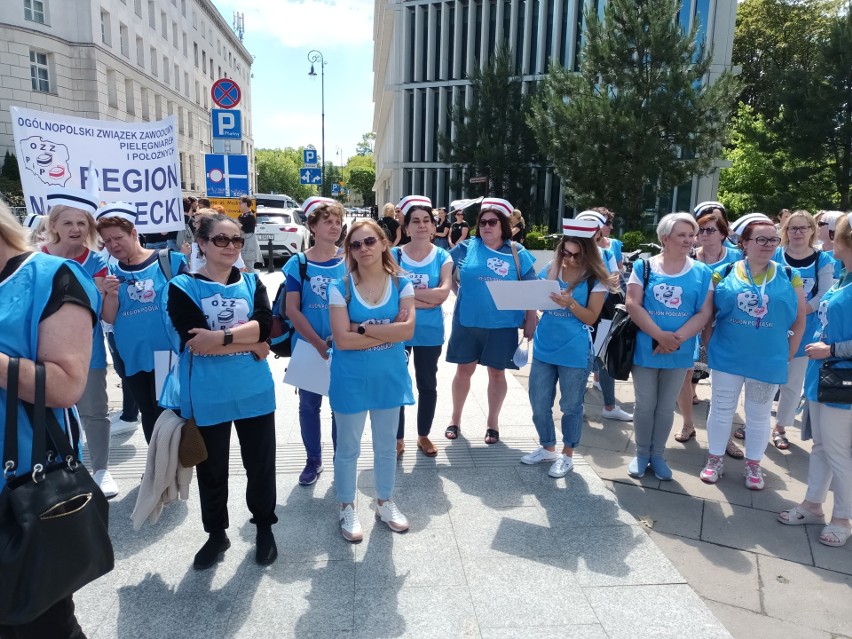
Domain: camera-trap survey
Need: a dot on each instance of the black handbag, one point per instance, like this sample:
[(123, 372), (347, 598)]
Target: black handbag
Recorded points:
[(54, 535), (835, 384), (620, 344)]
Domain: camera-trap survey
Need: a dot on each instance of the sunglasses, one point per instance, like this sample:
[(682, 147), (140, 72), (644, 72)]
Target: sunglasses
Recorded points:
[(457, 213), (822, 223), (708, 231), (567, 253), (138, 285), (223, 240), (491, 221), (356, 245)]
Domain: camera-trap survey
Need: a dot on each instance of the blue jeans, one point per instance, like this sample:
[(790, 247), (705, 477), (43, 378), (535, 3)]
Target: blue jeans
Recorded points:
[(350, 428), (572, 388), (607, 383), (309, 421)]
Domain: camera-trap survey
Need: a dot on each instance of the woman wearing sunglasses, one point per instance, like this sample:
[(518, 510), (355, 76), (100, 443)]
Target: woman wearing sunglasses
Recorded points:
[(816, 268), (459, 229), (430, 270), (562, 347), (222, 318), (372, 315), (759, 319), (132, 291), (481, 334)]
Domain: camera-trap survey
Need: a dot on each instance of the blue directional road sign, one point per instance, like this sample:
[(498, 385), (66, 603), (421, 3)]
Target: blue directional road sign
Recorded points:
[(227, 175), (310, 176), (227, 124), (309, 157)]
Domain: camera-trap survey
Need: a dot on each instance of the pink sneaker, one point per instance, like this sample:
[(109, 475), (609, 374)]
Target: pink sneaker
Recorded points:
[(753, 476)]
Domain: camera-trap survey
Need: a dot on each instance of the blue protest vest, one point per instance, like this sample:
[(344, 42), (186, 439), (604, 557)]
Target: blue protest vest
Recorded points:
[(835, 325), (315, 290), (429, 324)]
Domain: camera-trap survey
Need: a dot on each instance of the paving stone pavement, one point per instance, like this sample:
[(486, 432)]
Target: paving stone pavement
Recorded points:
[(496, 548)]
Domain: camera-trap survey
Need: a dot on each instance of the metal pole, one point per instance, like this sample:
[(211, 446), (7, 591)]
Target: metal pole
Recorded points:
[(314, 56)]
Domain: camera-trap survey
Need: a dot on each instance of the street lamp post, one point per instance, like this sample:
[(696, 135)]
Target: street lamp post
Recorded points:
[(316, 56)]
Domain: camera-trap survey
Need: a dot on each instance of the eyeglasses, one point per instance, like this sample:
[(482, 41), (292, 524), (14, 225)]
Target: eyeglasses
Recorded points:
[(491, 221), (223, 240), (567, 253), (798, 229), (608, 223), (457, 213), (709, 230), (765, 241), (822, 223), (356, 245)]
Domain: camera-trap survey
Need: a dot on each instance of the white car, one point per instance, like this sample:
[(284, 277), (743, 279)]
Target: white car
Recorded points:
[(282, 226)]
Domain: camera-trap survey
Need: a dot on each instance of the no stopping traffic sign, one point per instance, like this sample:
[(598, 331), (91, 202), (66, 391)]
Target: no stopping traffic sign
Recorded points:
[(225, 93)]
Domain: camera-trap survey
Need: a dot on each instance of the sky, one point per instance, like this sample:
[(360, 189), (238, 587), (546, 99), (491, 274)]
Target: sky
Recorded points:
[(286, 101)]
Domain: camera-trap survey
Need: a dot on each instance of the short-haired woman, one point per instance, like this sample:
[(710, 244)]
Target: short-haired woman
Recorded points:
[(307, 308), (759, 318), (222, 319), (830, 463), (562, 347), (132, 292), (430, 270), (481, 334), (816, 268), (459, 229), (669, 312), (372, 315), (442, 229)]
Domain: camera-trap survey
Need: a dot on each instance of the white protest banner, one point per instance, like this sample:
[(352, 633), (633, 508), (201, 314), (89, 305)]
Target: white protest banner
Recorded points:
[(134, 162)]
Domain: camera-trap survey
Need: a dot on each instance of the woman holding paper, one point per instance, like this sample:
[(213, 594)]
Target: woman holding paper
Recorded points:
[(481, 334), (562, 347), (430, 270), (308, 279), (372, 315), (132, 292)]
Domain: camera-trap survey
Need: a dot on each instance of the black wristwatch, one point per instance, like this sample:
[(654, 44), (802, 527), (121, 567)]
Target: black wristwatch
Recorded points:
[(229, 337), (362, 329)]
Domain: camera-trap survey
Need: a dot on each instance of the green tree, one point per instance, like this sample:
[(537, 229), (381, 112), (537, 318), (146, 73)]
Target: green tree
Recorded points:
[(640, 117), (278, 172), (10, 168), (365, 146), (492, 137), (10, 181), (362, 179)]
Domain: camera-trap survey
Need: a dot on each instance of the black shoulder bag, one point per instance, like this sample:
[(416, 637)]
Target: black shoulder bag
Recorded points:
[(620, 345), (54, 535)]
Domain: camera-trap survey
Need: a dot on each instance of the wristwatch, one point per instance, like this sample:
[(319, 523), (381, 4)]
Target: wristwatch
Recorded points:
[(362, 330), (229, 338)]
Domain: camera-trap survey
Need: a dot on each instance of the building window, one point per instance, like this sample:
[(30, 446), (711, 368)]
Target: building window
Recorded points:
[(181, 130), (166, 70), (211, 68), (194, 21), (154, 62), (174, 35), (39, 71), (195, 53), (164, 26), (140, 52), (186, 83), (137, 7), (183, 8), (177, 78), (197, 92), (206, 94), (190, 124), (128, 96), (106, 36), (124, 39), (170, 107), (34, 11), (184, 45), (204, 62), (219, 68), (158, 107), (152, 16), (146, 114), (112, 89)]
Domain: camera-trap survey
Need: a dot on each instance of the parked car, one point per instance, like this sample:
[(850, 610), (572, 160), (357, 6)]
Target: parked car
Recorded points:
[(283, 227), (275, 200)]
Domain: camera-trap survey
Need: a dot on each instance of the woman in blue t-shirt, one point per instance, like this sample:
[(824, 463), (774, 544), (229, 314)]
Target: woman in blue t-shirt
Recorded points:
[(307, 308), (222, 320), (759, 319), (430, 270), (816, 268), (132, 292), (562, 347), (830, 464), (372, 315), (670, 312), (481, 334)]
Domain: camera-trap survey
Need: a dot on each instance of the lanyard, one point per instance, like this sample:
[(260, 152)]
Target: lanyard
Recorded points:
[(760, 291)]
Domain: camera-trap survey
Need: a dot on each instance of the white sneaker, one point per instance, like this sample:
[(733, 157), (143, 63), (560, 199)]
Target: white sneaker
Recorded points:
[(390, 514), (119, 427), (106, 483), (350, 525), (561, 467), (540, 455), (618, 414), (596, 385), (753, 476)]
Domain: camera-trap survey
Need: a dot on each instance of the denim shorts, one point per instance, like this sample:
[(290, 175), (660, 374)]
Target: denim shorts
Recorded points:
[(492, 347)]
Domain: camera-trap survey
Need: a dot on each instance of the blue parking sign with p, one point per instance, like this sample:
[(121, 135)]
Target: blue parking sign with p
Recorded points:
[(309, 157), (227, 124)]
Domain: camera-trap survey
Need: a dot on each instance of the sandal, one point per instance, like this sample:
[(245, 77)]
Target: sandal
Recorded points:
[(732, 450), (426, 447), (799, 516), (695, 400), (780, 440), (492, 436), (452, 432), (837, 535), (400, 448), (739, 433), (683, 436)]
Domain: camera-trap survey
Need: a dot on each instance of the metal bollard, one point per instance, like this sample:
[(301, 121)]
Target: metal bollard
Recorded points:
[(270, 267)]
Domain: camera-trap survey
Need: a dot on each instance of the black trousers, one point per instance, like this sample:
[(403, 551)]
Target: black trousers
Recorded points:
[(144, 390), (257, 449), (426, 377), (129, 409), (57, 622)]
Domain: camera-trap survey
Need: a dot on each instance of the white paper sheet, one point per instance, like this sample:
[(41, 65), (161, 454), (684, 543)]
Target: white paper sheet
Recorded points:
[(524, 296), (600, 335), (307, 369)]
